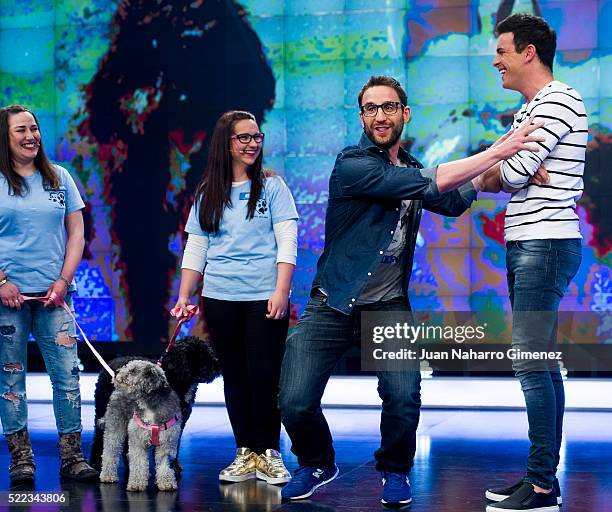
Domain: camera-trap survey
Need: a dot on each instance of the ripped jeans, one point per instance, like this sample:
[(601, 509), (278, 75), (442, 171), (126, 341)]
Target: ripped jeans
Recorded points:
[(55, 334)]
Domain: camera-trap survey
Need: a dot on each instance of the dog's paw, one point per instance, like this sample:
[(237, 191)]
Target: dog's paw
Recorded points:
[(167, 486), (136, 486), (107, 478)]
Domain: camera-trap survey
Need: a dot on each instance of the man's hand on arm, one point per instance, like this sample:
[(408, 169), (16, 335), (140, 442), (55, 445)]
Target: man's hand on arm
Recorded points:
[(454, 174), (540, 177), (490, 181)]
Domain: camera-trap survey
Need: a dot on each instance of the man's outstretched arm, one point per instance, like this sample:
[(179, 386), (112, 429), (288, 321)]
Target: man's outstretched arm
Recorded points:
[(454, 174)]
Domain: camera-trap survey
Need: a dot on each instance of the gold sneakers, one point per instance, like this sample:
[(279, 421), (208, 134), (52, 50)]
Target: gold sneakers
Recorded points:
[(243, 467), (270, 468)]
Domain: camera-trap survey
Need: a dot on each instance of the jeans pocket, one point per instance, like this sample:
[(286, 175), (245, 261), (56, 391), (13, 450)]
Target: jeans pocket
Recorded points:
[(318, 301), (568, 262), (571, 248), (535, 247)]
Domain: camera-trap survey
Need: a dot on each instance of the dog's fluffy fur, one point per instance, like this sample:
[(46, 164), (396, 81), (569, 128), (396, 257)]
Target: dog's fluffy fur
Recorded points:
[(189, 362), (141, 388)]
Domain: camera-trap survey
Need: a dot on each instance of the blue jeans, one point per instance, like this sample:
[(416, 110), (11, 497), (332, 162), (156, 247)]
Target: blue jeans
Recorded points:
[(539, 272), (319, 340), (55, 334)]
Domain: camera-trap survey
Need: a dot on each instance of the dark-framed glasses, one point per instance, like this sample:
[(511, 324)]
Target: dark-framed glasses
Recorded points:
[(245, 138), (388, 107)]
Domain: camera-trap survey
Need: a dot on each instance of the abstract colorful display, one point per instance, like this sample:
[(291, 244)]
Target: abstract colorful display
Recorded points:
[(127, 94)]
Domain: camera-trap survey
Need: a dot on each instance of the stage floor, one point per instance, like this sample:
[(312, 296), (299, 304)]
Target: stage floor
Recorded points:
[(459, 454)]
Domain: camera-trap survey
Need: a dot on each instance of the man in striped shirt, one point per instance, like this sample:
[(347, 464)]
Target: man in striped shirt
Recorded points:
[(543, 242)]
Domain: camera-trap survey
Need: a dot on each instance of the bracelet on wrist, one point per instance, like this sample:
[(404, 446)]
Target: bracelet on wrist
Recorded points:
[(4, 280), (62, 278)]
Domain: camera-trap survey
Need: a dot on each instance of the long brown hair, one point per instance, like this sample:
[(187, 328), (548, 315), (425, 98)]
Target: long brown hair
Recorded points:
[(214, 190), (17, 185)]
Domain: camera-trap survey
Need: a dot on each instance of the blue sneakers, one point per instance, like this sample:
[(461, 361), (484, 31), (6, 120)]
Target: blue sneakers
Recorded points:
[(306, 480), (396, 489)]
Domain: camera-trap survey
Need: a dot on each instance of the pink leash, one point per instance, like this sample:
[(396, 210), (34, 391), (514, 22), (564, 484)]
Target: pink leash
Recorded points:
[(53, 298), (175, 312), (182, 318)]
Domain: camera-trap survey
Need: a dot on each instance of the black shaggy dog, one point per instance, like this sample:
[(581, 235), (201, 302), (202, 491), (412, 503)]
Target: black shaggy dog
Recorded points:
[(189, 362)]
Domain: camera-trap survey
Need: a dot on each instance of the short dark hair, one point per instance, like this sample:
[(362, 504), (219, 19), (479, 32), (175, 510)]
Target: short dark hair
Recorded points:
[(528, 29), (388, 81)]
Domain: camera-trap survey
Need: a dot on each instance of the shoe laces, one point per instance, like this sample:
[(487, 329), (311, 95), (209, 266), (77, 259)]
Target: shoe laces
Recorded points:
[(395, 478), (275, 463), (303, 473), (240, 460)]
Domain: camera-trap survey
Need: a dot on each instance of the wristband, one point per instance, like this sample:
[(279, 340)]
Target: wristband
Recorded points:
[(62, 278), (3, 280)]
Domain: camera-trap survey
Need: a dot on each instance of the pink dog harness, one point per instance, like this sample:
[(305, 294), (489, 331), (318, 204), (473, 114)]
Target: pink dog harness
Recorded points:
[(155, 429)]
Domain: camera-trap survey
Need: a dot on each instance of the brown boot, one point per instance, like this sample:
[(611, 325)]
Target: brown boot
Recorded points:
[(74, 465), (22, 465)]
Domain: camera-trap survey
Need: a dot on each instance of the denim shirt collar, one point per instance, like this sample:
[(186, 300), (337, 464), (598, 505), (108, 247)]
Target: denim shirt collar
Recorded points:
[(366, 143)]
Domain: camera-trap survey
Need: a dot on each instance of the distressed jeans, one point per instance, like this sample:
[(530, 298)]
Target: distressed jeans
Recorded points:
[(539, 272), (54, 332), (317, 343)]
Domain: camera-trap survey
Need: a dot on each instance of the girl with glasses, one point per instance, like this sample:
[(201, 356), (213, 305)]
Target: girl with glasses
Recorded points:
[(242, 238)]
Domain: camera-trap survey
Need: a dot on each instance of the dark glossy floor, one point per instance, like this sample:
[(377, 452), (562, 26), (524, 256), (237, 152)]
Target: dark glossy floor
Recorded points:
[(459, 453)]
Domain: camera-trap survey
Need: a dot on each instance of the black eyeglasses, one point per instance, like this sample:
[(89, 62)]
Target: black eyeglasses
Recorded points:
[(388, 107), (245, 138)]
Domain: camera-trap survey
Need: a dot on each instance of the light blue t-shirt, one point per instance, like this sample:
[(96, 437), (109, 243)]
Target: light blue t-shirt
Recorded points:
[(32, 231), (241, 257)]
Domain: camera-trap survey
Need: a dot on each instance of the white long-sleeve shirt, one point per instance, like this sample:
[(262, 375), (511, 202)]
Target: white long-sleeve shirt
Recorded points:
[(285, 233)]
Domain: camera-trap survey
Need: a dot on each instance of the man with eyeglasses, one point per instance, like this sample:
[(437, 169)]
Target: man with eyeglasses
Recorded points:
[(376, 194)]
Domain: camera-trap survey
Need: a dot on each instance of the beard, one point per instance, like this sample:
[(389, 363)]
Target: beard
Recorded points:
[(396, 132)]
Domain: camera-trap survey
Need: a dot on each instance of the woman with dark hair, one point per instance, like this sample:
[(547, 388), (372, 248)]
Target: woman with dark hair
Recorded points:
[(243, 239), (41, 243)]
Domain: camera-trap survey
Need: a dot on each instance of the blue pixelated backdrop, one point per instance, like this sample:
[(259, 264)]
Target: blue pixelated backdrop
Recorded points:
[(127, 94)]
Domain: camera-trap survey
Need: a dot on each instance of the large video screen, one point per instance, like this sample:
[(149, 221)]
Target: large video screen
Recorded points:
[(127, 94)]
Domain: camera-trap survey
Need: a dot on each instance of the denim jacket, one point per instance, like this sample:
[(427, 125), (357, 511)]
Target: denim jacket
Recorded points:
[(365, 194)]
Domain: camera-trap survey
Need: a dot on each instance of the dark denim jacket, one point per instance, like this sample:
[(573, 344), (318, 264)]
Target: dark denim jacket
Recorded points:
[(365, 193)]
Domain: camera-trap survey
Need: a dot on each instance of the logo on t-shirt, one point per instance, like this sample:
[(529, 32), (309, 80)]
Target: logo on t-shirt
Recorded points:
[(58, 197), (261, 208)]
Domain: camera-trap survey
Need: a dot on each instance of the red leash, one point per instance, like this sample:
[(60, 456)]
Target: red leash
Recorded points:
[(177, 312)]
